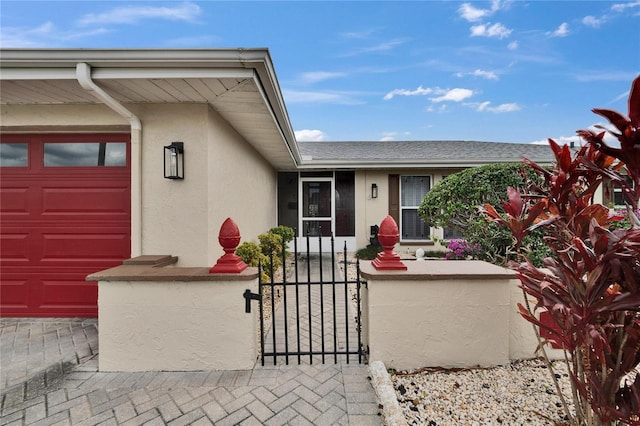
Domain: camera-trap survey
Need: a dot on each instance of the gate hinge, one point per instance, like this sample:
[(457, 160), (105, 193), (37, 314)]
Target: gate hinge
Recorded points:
[(248, 297)]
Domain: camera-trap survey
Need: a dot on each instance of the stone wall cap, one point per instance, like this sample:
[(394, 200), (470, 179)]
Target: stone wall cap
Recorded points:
[(146, 272), (431, 270)]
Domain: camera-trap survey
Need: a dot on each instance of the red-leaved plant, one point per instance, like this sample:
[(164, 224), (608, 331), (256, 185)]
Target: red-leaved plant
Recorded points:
[(590, 287)]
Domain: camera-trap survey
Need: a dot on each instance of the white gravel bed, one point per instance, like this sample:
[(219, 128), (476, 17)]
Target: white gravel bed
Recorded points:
[(521, 393)]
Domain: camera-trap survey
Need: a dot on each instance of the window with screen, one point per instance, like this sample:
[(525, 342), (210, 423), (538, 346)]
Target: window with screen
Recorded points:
[(412, 192)]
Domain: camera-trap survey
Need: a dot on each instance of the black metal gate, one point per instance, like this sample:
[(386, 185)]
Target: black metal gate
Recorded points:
[(311, 313)]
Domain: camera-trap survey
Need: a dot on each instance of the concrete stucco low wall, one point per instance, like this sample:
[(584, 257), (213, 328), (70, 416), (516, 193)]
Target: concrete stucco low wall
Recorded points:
[(446, 314), (154, 317)]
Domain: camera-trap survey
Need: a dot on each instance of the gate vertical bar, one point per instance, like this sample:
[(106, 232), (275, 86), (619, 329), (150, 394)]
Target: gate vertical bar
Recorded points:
[(359, 316), (260, 292), (297, 283), (321, 292), (346, 300), (309, 301), (333, 286), (273, 311), (284, 296)]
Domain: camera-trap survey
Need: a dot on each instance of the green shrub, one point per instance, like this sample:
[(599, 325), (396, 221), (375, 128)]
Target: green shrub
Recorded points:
[(271, 246), (285, 232), (369, 252), (454, 203)]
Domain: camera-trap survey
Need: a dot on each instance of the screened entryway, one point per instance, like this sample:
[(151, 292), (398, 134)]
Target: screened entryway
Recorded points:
[(318, 204)]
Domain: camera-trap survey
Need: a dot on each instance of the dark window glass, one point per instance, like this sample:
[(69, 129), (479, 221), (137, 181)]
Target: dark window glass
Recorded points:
[(316, 199), (288, 199), (412, 191), (85, 154), (314, 228), (14, 155), (618, 196), (413, 227), (452, 234), (345, 204)]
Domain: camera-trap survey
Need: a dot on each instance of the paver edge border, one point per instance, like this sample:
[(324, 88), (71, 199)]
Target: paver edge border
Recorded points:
[(383, 387)]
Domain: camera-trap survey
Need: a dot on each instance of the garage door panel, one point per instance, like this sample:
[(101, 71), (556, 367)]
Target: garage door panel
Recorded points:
[(61, 222), (14, 248), (14, 202), (86, 201), (68, 290), (14, 292), (78, 247)]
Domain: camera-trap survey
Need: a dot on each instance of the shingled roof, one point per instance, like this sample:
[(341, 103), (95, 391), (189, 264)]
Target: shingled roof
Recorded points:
[(430, 154)]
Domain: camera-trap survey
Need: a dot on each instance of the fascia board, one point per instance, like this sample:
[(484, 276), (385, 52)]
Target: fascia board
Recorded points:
[(37, 73), (409, 164), (235, 58), (124, 73)]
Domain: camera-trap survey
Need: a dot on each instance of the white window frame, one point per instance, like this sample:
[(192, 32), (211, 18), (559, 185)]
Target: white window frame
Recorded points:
[(401, 208)]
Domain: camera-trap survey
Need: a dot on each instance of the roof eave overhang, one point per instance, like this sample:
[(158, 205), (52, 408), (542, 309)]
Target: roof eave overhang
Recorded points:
[(411, 164), (59, 64)]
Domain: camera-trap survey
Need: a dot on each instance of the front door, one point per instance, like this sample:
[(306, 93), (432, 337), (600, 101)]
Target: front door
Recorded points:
[(317, 200)]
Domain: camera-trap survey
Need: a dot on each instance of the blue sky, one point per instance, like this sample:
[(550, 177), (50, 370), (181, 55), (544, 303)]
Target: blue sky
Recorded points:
[(502, 71)]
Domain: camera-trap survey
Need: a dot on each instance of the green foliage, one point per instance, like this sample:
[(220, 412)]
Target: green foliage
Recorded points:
[(269, 252), (272, 249), (369, 252), (252, 255), (454, 202), (285, 232)]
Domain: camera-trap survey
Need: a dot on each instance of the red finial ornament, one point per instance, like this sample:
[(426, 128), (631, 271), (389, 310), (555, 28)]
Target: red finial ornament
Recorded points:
[(229, 238), (388, 235)]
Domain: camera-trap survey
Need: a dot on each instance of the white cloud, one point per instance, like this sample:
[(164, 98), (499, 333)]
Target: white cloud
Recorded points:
[(420, 91), (45, 35), (592, 21), (381, 47), (440, 109), (578, 141), (308, 135), (473, 14), (485, 106), (299, 97), (454, 95), (513, 45), (561, 31), (318, 76), (358, 34), (487, 30), (132, 14), (392, 136), (489, 75), (621, 7)]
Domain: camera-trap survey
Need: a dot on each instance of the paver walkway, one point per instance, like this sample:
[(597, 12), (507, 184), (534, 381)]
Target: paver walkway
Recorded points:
[(49, 375)]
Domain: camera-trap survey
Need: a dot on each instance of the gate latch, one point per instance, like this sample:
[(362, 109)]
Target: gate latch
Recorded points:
[(248, 297)]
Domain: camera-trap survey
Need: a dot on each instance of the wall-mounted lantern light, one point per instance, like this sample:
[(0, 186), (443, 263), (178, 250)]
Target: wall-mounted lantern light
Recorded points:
[(174, 161), (374, 190)]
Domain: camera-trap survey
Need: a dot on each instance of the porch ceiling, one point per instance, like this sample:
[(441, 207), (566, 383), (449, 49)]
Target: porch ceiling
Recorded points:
[(240, 86)]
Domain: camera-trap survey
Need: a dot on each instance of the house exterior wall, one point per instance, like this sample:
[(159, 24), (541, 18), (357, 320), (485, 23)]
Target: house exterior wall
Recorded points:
[(224, 175), (374, 210), (242, 185)]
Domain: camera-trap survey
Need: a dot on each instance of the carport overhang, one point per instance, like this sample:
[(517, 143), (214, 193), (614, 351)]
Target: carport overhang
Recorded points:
[(239, 84)]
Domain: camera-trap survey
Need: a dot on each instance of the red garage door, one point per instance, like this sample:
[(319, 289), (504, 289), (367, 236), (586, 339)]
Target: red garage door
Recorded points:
[(65, 207)]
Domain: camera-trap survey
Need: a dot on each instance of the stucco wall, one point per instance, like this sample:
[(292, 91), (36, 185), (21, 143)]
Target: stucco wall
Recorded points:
[(242, 185), (445, 313), (60, 118), (176, 326)]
